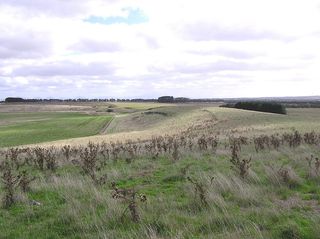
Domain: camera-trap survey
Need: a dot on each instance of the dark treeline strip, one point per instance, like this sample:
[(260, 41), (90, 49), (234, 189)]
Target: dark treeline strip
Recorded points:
[(20, 100), (269, 107), (314, 104)]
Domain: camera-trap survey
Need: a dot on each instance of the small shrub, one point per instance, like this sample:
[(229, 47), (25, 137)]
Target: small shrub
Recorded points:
[(175, 153), (290, 232), (66, 150), (288, 176), (50, 158), (13, 155), (131, 197), (241, 165), (39, 157), (25, 181), (10, 182), (200, 191), (90, 165)]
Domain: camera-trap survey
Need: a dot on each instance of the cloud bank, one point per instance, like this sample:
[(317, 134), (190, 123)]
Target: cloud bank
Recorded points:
[(143, 48)]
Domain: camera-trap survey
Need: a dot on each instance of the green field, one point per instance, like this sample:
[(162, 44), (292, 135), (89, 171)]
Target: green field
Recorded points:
[(31, 128), (279, 196)]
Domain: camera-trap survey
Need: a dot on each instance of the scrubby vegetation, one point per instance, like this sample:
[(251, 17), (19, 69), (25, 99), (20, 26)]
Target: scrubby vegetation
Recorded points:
[(213, 179), (140, 189)]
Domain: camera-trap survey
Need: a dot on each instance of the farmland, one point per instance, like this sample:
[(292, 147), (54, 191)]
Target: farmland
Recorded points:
[(159, 171), (30, 128)]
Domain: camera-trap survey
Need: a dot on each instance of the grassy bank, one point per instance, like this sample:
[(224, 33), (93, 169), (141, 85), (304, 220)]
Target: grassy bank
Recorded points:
[(31, 128)]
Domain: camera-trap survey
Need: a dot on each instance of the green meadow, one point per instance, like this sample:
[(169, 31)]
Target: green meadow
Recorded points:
[(31, 128)]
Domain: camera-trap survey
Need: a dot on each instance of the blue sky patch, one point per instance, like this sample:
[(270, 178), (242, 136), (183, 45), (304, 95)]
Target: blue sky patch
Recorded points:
[(135, 16)]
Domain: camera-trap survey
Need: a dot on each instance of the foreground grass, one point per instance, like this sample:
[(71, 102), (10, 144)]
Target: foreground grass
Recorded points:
[(256, 207), (30, 128), (260, 206)]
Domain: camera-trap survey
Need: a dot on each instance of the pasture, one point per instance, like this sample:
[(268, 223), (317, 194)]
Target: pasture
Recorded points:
[(31, 128), (161, 171)]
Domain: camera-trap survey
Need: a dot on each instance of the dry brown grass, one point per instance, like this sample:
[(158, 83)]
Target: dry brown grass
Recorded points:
[(170, 126), (27, 108)]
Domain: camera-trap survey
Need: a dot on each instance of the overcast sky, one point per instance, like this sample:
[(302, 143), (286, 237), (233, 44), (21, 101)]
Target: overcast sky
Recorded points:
[(149, 48)]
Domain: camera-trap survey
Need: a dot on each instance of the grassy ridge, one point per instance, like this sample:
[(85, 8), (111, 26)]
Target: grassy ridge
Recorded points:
[(30, 128), (262, 205), (257, 207)]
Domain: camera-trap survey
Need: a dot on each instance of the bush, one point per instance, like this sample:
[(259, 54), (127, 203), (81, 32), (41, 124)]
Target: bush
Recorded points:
[(166, 99), (14, 100)]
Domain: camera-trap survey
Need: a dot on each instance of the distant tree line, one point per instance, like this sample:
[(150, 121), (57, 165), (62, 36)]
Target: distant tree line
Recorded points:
[(312, 104), (21, 100), (270, 107), (162, 99), (14, 100), (171, 99), (166, 99)]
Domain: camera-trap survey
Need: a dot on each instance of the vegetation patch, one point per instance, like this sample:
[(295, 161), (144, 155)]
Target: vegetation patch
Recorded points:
[(155, 113), (269, 107), (212, 179), (31, 128)]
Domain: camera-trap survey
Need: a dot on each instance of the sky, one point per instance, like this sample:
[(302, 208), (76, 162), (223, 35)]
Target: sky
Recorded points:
[(149, 48)]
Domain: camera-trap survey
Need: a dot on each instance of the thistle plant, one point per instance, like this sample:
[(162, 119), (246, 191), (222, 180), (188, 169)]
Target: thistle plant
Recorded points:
[(90, 164), (199, 191), (10, 182), (25, 181), (66, 150), (131, 198)]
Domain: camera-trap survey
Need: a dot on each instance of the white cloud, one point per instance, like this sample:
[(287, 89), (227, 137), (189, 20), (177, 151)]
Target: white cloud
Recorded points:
[(204, 48)]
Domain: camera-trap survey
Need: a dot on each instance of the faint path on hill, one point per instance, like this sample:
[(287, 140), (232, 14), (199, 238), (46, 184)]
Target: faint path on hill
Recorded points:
[(104, 129)]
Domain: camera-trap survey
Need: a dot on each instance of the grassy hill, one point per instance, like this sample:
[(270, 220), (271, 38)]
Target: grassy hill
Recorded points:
[(188, 171)]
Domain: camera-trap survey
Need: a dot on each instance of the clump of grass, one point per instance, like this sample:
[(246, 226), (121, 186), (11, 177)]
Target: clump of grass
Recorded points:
[(290, 231), (285, 175), (288, 176), (184, 170), (313, 166)]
